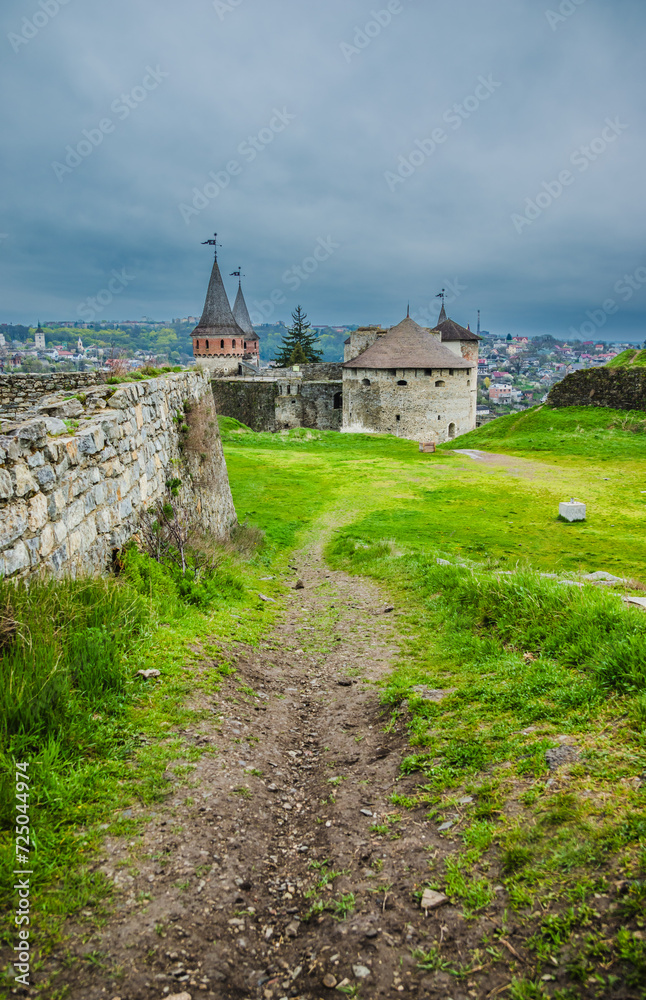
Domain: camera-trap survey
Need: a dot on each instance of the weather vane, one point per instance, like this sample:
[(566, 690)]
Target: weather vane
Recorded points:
[(238, 273), (213, 243), (440, 295)]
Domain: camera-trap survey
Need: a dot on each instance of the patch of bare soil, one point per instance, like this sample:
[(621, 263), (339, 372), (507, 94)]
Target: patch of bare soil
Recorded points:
[(235, 866)]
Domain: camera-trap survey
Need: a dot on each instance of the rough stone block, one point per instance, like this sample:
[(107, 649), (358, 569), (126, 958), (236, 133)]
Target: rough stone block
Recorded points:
[(13, 523), (37, 512), (35, 460), (6, 485), (16, 559), (572, 510), (90, 440), (46, 477), (24, 482), (56, 504)]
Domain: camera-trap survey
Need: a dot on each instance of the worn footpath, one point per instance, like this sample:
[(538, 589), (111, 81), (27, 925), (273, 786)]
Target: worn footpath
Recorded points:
[(272, 871)]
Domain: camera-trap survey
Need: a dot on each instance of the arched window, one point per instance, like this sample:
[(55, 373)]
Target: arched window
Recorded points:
[(439, 384), (402, 382), (468, 382), (207, 344), (451, 431), (233, 343), (197, 346), (221, 345), (365, 381), (289, 390), (338, 400), (245, 343)]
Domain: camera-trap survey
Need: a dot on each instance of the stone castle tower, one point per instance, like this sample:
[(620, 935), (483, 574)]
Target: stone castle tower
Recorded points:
[(411, 381), (224, 338)]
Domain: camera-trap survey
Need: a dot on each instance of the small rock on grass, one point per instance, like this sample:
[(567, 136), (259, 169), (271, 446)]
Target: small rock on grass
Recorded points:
[(344, 682), (559, 756), (146, 674), (431, 899), (299, 585)]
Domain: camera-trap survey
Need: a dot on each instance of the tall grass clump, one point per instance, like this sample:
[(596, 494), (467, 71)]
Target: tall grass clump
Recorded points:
[(64, 656), (523, 611)]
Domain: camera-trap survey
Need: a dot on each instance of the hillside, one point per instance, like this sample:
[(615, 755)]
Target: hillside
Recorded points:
[(628, 359), (389, 726)]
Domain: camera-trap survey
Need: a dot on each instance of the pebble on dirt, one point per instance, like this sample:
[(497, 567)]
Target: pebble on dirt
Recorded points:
[(431, 899), (299, 585), (329, 982)]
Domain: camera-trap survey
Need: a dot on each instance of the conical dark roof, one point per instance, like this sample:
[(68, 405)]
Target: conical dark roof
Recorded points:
[(453, 331), (408, 345), (443, 315), (217, 318), (241, 316)]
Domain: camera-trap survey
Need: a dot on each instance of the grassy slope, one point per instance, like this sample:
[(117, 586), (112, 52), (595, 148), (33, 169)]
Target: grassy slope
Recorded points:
[(532, 663), (506, 510)]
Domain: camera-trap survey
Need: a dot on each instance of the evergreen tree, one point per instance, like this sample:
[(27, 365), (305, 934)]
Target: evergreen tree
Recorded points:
[(299, 356), (298, 334)]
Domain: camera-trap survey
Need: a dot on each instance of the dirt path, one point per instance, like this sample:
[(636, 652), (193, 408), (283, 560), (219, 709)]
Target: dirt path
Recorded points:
[(303, 769)]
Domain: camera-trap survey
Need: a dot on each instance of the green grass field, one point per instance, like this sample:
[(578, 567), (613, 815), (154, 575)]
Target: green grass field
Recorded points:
[(506, 509), (530, 659)]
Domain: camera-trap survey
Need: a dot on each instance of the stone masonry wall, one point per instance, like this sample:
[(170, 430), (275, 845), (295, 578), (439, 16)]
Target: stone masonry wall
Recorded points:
[(420, 410), (21, 391), (249, 400), (74, 477), (617, 388)]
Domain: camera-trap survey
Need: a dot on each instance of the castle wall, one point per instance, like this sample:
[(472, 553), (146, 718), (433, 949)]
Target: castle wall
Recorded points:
[(21, 391), (315, 406), (249, 400), (71, 490), (617, 388), (373, 402)]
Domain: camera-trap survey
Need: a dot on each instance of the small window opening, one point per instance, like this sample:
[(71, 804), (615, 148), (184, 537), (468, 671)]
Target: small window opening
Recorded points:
[(468, 382), (402, 382), (197, 345), (365, 381), (428, 371), (451, 372), (221, 345), (245, 343), (233, 343), (289, 390), (338, 400), (439, 384), (451, 430), (398, 417), (207, 344)]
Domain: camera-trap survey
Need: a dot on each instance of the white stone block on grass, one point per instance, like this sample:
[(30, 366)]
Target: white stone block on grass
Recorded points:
[(572, 510)]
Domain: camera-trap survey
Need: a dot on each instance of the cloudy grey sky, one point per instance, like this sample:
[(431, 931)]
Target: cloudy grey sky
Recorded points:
[(351, 155)]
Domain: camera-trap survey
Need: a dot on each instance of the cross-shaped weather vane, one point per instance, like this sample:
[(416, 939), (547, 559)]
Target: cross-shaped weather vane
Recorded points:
[(440, 295), (238, 273)]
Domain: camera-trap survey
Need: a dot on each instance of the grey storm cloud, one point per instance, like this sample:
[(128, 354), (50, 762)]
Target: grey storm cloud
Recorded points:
[(352, 156)]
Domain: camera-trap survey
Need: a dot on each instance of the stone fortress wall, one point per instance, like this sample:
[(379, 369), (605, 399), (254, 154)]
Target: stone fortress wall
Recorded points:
[(20, 392), (434, 406), (75, 475), (307, 395), (617, 388)]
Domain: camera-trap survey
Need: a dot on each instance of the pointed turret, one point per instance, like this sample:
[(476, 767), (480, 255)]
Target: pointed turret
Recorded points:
[(443, 316), (241, 315), (217, 319)]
